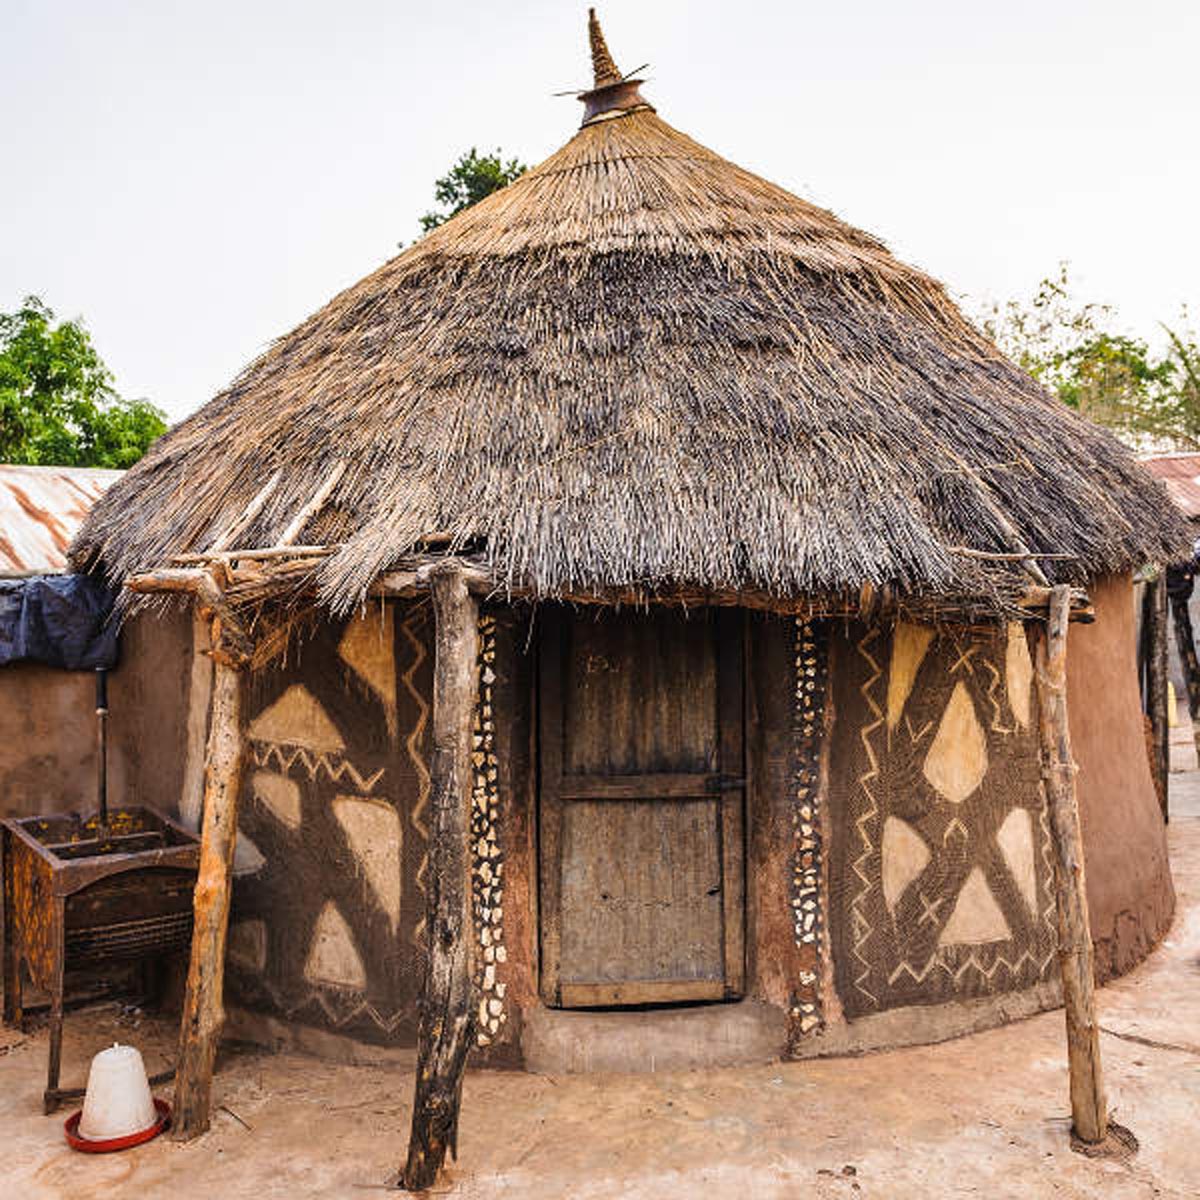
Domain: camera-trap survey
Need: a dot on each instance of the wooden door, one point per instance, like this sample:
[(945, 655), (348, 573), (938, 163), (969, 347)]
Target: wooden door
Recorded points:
[(642, 795)]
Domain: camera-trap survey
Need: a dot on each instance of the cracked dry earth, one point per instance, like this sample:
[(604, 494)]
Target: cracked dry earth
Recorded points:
[(981, 1116)]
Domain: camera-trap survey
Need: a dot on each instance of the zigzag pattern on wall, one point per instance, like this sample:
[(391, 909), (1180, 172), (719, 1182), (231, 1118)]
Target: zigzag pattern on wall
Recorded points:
[(972, 963), (339, 1008), (335, 766), (412, 746), (998, 725), (951, 896), (861, 923)]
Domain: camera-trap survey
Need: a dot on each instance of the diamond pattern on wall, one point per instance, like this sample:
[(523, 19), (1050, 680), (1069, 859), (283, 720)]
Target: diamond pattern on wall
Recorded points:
[(333, 798), (958, 759), (940, 873)]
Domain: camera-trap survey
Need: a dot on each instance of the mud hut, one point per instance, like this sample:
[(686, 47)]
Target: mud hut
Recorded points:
[(47, 700), (719, 738)]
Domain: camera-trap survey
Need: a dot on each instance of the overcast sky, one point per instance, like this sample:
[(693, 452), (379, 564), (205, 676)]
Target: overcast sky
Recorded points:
[(193, 179)]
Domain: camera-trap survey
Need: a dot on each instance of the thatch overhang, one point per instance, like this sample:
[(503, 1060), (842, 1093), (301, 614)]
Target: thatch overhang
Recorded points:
[(640, 370)]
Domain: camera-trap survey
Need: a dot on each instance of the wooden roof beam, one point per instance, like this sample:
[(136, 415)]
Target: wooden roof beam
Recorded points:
[(313, 505), (261, 554), (247, 514)]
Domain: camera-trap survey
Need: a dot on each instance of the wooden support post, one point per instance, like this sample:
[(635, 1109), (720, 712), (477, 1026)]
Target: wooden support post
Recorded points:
[(203, 1011), (448, 1002), (1185, 640), (1155, 616), (1089, 1112)]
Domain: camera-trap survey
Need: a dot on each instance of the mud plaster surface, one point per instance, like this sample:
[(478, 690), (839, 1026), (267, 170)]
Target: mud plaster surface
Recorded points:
[(984, 1115)]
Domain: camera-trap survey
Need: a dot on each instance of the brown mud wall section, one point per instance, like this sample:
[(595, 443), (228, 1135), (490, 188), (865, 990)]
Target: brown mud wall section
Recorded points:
[(328, 929), (47, 764), (328, 905), (941, 879), (775, 960), (48, 725), (1130, 894)]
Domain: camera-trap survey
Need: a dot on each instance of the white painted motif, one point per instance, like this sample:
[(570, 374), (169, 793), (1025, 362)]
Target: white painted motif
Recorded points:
[(905, 855), (297, 719), (372, 828), (279, 795), (333, 957), (976, 918), (1015, 837), (958, 758)]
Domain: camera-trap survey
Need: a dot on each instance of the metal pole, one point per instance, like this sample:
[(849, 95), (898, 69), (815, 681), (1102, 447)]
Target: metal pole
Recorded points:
[(102, 747)]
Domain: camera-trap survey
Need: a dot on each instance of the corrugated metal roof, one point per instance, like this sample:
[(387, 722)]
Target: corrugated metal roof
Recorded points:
[(40, 509), (1181, 473)]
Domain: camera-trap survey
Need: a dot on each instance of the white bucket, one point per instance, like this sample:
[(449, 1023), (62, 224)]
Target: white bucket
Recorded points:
[(118, 1101)]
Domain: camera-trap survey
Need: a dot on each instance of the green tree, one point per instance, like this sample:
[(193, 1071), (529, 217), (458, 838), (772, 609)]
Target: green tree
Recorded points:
[(1149, 396), (468, 181), (58, 405)]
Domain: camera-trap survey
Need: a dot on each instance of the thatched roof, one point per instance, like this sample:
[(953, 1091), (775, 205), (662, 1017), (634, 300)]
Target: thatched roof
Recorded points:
[(640, 365)]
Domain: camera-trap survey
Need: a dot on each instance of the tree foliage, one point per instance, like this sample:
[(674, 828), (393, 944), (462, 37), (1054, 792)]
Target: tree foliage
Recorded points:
[(1149, 395), (58, 405), (471, 178)]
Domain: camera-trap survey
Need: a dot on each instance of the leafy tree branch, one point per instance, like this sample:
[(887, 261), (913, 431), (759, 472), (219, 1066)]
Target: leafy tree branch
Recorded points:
[(58, 405), (468, 181), (1149, 396)]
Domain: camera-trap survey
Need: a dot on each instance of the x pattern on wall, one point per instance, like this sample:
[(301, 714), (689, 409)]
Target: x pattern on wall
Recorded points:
[(944, 876), (333, 848)]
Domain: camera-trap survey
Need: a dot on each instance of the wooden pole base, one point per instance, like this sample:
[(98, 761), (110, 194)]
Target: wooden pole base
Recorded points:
[(203, 1010), (1089, 1112), (448, 1003), (1185, 640), (1155, 617)]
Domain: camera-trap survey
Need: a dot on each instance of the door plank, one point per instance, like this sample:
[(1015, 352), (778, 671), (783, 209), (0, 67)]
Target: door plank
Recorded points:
[(652, 786), (550, 736), (641, 892), (639, 693), (731, 632)]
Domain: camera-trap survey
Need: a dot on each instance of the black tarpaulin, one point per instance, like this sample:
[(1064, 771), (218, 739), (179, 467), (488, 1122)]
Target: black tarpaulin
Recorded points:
[(59, 620)]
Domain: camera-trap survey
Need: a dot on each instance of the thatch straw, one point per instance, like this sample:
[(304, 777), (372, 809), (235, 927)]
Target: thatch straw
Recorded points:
[(640, 365)]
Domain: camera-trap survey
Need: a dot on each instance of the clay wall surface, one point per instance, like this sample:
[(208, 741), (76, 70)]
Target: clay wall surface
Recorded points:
[(940, 875), (48, 725), (894, 840), (1130, 895), (328, 921), (328, 926), (774, 959)]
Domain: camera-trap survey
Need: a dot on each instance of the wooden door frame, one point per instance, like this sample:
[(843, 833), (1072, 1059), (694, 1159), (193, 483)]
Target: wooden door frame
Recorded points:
[(729, 785)]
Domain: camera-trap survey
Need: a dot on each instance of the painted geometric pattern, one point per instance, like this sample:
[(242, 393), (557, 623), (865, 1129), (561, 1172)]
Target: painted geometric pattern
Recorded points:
[(328, 910), (941, 874)]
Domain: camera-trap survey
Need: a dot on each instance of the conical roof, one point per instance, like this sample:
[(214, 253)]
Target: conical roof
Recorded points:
[(642, 366)]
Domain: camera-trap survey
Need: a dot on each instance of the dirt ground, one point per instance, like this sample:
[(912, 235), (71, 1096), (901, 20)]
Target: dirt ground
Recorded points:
[(984, 1115)]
